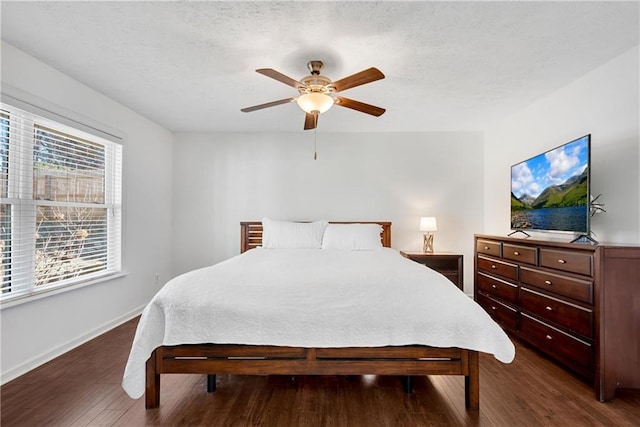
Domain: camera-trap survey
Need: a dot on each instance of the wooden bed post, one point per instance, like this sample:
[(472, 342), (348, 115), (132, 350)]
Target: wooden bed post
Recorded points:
[(152, 388), (472, 382), (211, 383), (407, 384)]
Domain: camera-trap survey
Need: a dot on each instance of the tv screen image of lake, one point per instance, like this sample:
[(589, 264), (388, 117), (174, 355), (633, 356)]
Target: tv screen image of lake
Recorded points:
[(571, 218)]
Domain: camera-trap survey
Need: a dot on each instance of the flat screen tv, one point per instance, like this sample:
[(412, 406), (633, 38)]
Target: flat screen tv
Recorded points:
[(550, 192)]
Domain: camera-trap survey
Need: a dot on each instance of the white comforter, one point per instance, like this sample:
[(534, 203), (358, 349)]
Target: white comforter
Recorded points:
[(312, 298)]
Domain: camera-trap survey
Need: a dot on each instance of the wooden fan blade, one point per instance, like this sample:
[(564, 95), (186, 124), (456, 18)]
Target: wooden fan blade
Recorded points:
[(310, 121), (270, 72), (267, 105), (359, 106), (367, 76)]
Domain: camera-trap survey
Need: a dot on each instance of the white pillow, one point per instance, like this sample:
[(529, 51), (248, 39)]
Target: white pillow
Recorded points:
[(292, 235), (353, 237)]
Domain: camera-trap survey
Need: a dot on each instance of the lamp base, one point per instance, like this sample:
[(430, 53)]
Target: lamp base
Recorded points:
[(427, 245)]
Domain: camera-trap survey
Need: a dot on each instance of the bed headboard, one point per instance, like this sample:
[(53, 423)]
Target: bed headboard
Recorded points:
[(251, 233)]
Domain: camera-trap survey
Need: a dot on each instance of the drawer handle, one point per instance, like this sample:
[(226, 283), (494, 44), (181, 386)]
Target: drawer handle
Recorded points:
[(547, 282), (486, 248), (516, 253), (493, 266), (548, 308), (549, 337), (561, 261), (494, 286), (493, 307)]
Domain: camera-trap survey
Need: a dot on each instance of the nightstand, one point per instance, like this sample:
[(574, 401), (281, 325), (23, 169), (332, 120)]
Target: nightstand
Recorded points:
[(446, 263)]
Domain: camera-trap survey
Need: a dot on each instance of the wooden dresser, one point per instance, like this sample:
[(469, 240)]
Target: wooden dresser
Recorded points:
[(579, 304)]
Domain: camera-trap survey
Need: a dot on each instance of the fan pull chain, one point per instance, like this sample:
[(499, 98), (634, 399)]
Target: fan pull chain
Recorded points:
[(315, 138), (315, 144)]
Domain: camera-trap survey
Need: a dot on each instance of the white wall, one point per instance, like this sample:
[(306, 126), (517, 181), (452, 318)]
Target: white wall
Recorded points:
[(604, 103), (37, 331), (222, 179)]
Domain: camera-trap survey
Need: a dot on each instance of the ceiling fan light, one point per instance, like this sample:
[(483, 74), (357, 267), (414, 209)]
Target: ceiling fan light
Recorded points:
[(315, 101)]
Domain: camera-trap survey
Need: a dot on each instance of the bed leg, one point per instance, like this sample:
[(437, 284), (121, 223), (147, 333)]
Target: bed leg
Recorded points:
[(472, 383), (152, 388), (211, 383), (407, 384)]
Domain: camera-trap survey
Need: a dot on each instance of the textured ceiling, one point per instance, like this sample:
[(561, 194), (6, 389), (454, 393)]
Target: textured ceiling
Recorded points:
[(189, 66)]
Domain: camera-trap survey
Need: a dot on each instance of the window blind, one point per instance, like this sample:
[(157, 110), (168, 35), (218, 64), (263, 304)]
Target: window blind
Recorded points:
[(60, 205)]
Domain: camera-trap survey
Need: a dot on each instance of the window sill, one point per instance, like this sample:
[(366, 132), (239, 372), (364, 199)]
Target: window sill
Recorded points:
[(39, 294)]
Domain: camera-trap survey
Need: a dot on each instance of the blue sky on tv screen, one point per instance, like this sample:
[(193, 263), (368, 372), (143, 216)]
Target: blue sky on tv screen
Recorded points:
[(554, 167)]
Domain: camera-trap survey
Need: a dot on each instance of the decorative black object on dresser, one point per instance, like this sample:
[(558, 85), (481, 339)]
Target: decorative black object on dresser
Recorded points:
[(448, 264), (577, 303)]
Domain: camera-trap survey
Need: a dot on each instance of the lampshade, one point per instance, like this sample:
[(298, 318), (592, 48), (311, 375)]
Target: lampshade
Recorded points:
[(428, 223), (315, 101)]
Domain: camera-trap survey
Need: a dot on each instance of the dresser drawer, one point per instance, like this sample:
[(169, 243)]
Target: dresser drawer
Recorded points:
[(580, 290), (493, 266), (519, 253), (574, 318), (489, 247), (501, 313), (499, 288), (573, 352), (572, 261)]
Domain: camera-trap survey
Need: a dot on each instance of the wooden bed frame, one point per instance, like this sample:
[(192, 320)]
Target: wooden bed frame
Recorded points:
[(212, 359)]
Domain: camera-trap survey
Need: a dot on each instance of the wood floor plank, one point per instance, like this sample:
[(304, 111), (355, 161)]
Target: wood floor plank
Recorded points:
[(82, 388)]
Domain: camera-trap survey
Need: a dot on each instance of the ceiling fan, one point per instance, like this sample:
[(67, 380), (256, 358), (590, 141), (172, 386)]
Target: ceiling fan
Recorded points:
[(318, 92)]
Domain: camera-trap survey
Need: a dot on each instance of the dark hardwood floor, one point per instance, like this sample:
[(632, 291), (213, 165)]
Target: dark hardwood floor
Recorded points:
[(82, 388)]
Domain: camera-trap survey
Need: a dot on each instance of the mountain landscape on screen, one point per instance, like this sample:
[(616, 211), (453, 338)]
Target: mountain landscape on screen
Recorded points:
[(572, 193)]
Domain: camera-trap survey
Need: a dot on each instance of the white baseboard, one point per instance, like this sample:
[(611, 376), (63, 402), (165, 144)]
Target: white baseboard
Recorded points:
[(36, 361)]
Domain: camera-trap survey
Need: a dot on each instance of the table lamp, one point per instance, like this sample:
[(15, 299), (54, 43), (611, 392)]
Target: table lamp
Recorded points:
[(428, 224)]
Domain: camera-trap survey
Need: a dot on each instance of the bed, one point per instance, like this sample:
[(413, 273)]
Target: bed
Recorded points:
[(321, 312)]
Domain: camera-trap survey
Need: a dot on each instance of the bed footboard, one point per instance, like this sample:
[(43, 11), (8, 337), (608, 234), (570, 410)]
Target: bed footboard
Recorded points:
[(267, 360)]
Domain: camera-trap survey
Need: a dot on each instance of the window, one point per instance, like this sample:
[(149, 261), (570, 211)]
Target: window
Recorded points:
[(60, 205)]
